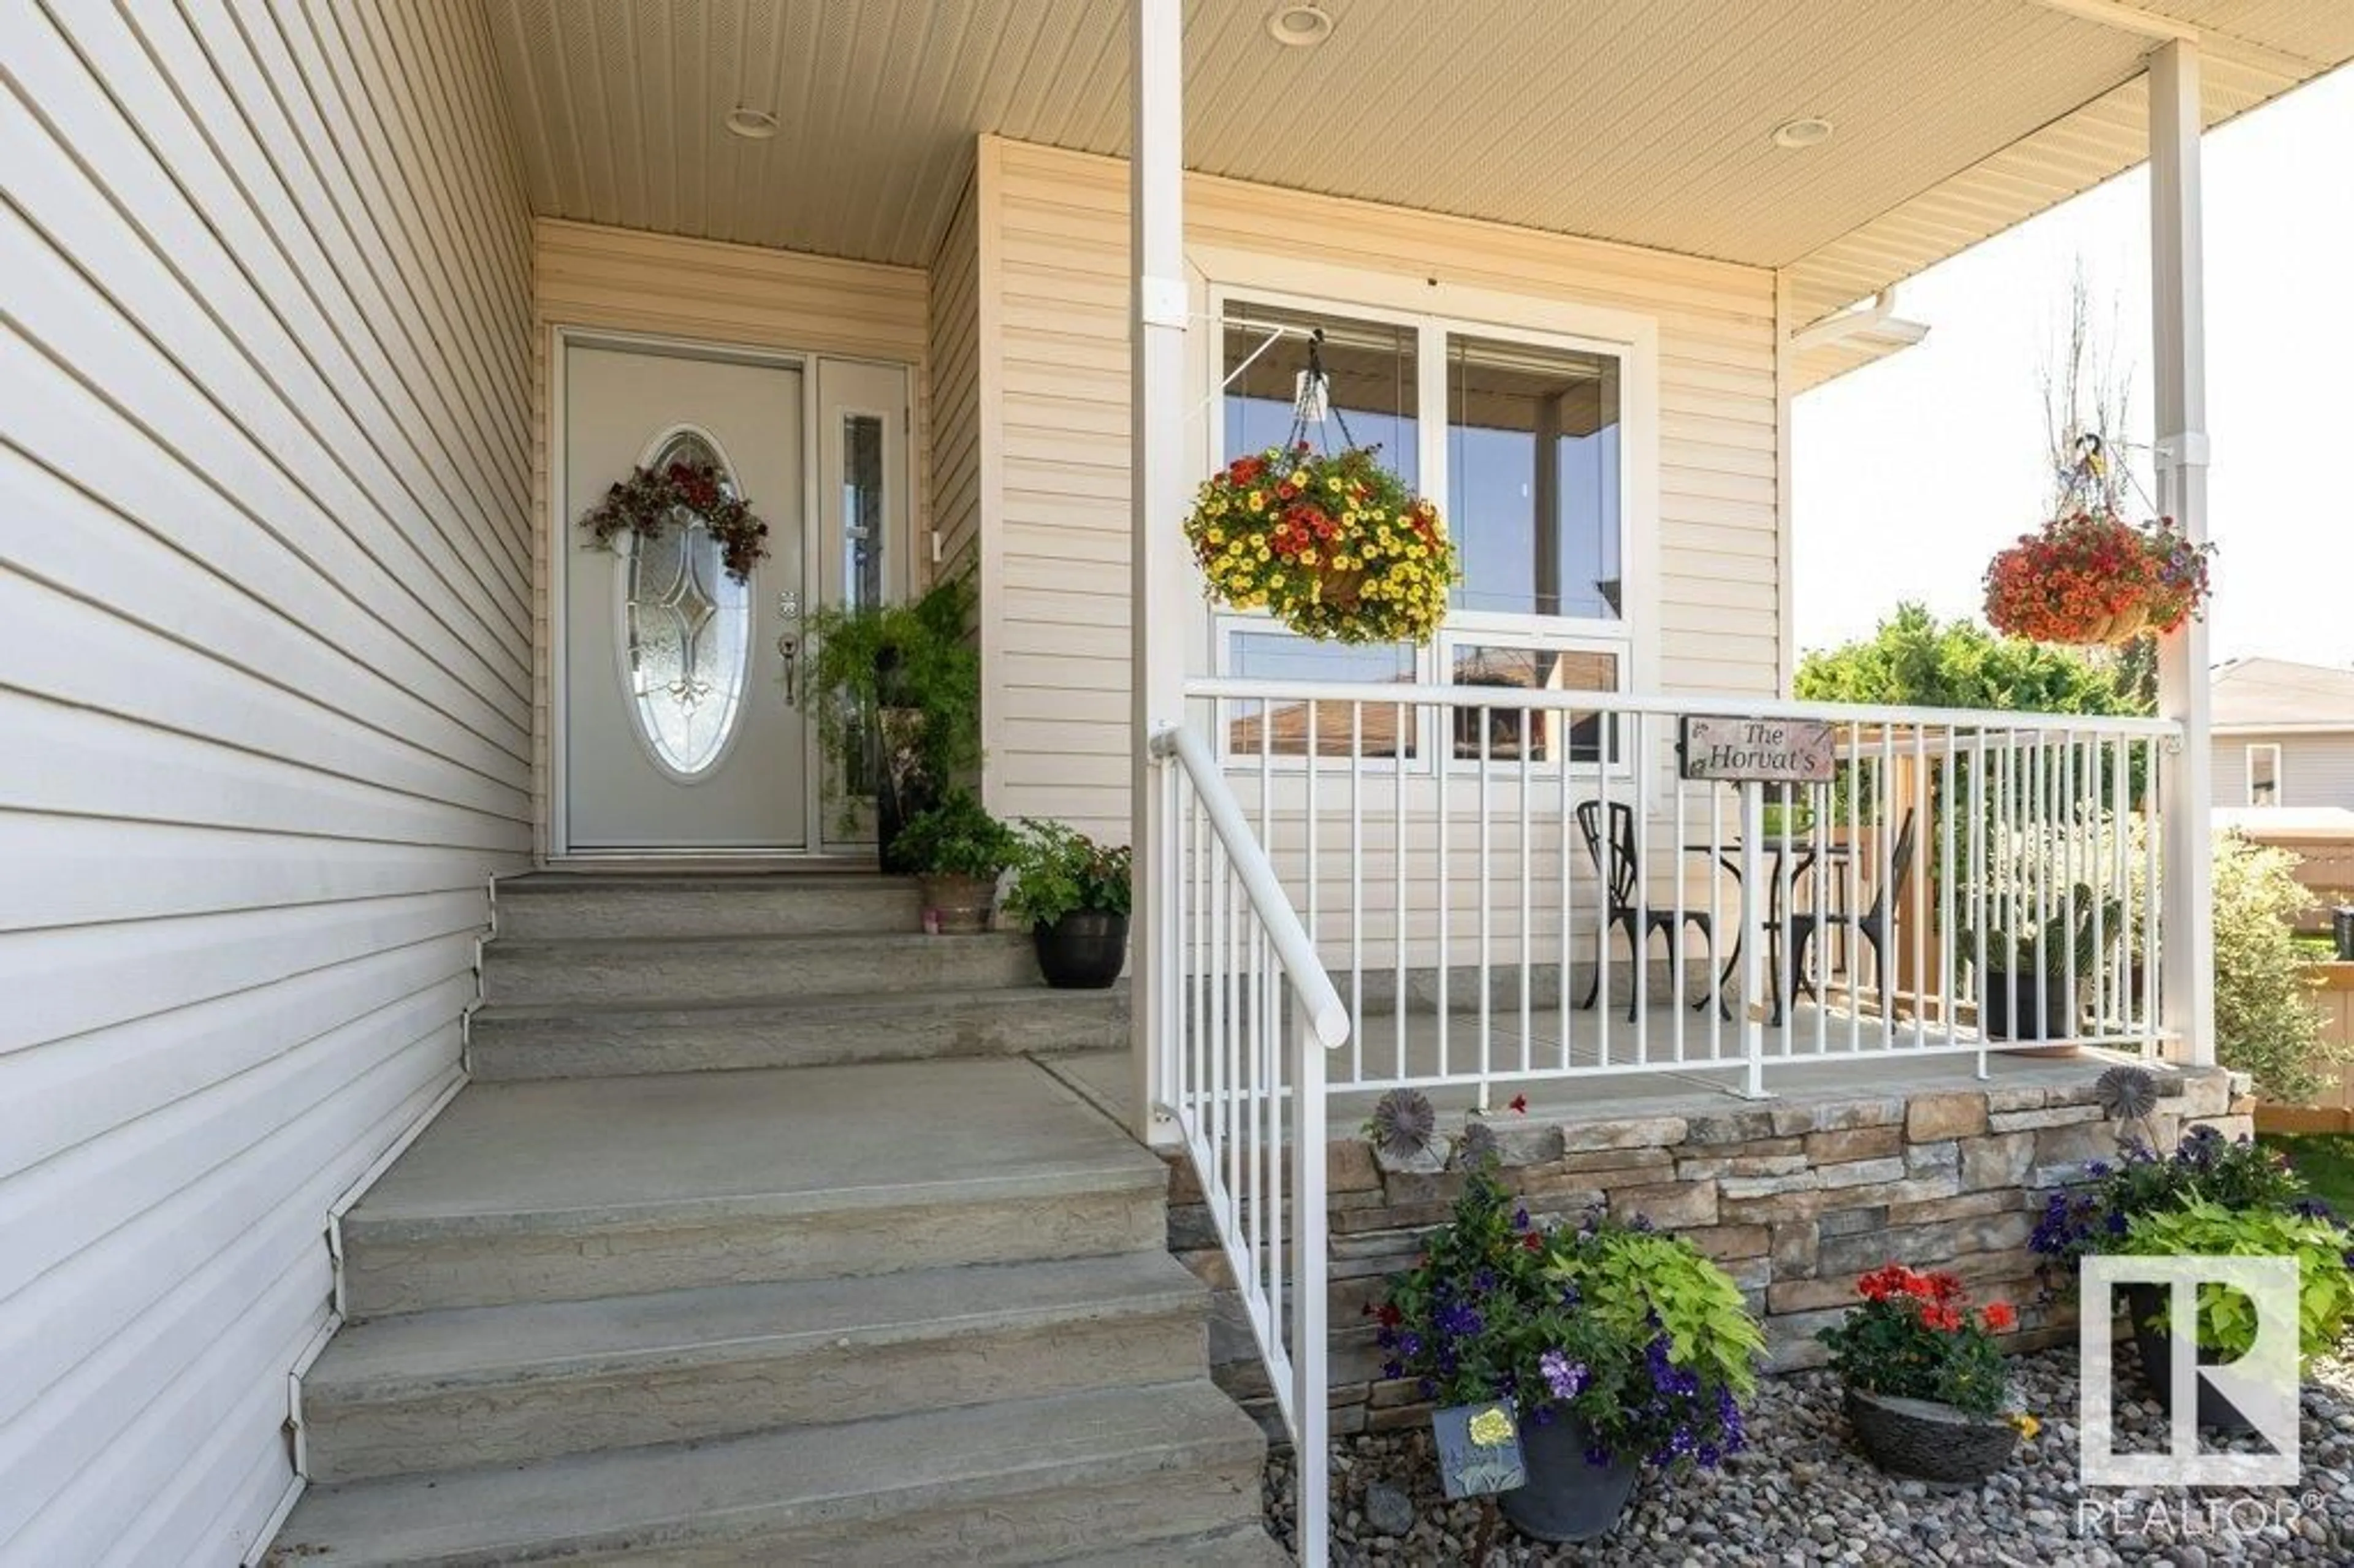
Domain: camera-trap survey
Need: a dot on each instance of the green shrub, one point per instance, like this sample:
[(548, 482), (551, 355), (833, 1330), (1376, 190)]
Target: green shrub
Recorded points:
[(2266, 1024), (2227, 1322)]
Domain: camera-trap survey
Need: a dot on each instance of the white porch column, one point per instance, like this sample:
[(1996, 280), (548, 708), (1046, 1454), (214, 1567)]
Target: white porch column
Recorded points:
[(1157, 491), (2178, 338)]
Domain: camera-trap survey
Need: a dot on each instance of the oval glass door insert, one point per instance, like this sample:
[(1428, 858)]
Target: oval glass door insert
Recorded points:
[(686, 629)]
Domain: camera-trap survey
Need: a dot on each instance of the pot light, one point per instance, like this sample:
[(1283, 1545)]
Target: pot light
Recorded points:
[(1808, 133), (1299, 27), (752, 124)]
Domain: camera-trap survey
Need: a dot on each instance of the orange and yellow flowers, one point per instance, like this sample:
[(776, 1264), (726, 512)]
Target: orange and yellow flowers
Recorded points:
[(1333, 546)]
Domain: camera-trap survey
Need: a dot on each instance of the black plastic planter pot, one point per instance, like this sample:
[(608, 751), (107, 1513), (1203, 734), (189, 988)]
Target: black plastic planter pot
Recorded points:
[(2155, 1347), (1083, 950), (2010, 1003), (1565, 1498)]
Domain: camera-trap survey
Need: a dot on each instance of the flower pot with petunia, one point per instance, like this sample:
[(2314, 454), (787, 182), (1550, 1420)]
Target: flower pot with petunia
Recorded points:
[(1926, 1391), (1620, 1349), (2089, 577)]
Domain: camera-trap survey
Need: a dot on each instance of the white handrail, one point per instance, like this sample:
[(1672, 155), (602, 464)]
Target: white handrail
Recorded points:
[(1248, 1093), (1543, 700), (1320, 1000)]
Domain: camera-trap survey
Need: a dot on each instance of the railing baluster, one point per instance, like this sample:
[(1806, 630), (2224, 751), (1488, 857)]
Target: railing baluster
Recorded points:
[(1486, 905), (1442, 760), (1397, 870), (1356, 886)]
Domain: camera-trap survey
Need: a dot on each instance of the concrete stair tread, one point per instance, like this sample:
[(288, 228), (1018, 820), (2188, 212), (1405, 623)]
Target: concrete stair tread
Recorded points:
[(435, 1353), (813, 945), (772, 1141), (1246, 1545), (539, 884), (814, 1007), (671, 1500)]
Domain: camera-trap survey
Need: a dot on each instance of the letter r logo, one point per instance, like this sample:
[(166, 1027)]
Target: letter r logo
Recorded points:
[(2262, 1385)]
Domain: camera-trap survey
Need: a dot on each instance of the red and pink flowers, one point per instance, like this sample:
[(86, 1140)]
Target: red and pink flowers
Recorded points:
[(2092, 578)]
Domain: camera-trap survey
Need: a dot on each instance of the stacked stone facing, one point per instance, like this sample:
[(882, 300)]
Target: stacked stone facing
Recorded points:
[(1794, 1196)]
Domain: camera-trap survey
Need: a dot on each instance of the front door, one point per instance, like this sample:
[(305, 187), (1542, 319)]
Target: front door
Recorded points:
[(684, 729)]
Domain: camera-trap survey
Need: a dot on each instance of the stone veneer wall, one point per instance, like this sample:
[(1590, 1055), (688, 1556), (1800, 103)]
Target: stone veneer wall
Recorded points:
[(1795, 1197)]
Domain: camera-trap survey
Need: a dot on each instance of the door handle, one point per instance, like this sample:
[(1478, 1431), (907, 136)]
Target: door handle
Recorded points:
[(788, 648)]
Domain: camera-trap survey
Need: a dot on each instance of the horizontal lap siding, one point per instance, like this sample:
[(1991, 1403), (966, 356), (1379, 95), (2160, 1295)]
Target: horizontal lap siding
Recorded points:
[(1053, 244), (2314, 769), (265, 674), (619, 280)]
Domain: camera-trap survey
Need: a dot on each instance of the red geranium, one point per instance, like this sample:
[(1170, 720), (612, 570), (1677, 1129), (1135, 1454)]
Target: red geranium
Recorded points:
[(1915, 1338)]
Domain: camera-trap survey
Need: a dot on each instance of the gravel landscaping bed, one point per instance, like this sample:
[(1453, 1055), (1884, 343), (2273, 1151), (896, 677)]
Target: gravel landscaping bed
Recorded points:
[(1802, 1495)]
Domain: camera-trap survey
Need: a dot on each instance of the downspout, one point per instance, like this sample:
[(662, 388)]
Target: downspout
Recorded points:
[(1847, 323)]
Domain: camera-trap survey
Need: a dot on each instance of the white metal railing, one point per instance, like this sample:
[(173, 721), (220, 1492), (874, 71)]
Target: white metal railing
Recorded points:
[(1247, 1014), (1469, 863)]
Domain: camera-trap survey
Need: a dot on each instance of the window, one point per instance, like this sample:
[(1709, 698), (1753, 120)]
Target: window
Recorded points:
[(2265, 774), (1532, 478), (1527, 466)]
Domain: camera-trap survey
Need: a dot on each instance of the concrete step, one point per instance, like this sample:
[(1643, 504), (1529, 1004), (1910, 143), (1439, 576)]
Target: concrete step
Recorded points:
[(656, 971), (1246, 1545), (506, 1384), (1020, 1482), (566, 905), (553, 1041), (584, 1189)]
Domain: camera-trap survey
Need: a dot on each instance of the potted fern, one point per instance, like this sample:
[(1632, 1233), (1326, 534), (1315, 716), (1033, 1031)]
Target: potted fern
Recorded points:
[(898, 704), (1075, 894)]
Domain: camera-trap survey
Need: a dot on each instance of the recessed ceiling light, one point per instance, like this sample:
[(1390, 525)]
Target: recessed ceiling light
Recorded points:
[(752, 124), (1301, 27), (1808, 133)]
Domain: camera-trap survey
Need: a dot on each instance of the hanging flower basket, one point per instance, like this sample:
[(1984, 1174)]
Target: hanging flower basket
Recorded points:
[(1334, 546), (2091, 578), (650, 501)]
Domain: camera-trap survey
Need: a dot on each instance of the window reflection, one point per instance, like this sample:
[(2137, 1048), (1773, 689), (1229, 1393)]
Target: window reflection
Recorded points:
[(1370, 381), (1284, 731), (1515, 735), (1532, 443)]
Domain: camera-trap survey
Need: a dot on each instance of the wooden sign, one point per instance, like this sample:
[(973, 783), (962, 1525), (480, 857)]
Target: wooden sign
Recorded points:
[(1752, 751), (1479, 1449)]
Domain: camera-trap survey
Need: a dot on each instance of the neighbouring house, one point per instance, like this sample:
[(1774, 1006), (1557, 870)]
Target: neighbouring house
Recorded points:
[(2284, 753), (465, 1096)]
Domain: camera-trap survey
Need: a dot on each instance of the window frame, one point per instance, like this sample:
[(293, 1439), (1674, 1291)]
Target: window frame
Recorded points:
[(2280, 781), (1452, 312)]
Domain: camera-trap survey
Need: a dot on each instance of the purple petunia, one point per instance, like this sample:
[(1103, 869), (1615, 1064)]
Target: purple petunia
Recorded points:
[(1564, 1378), (1456, 1319)]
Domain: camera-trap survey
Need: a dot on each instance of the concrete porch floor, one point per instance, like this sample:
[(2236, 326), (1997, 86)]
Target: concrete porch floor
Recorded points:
[(1697, 1087)]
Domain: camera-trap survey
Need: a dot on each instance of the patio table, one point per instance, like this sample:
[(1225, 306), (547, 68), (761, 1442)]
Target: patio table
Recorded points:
[(1805, 855)]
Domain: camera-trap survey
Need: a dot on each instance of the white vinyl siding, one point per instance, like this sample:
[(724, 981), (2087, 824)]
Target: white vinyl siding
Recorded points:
[(2316, 770), (953, 457), (728, 295), (1053, 251), (265, 677)]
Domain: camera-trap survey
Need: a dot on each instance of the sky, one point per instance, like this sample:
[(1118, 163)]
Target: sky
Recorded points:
[(1909, 474)]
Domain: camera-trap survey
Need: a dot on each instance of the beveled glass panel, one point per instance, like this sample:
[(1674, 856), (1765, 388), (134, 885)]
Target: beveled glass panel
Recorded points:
[(686, 628)]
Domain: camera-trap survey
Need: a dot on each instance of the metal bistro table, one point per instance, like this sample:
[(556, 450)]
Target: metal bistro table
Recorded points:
[(1804, 855)]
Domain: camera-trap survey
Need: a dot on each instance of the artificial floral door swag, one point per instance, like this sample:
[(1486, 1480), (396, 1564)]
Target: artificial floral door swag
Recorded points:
[(650, 501)]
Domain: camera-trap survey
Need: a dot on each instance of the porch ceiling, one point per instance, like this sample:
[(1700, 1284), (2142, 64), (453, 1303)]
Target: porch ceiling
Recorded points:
[(1643, 120)]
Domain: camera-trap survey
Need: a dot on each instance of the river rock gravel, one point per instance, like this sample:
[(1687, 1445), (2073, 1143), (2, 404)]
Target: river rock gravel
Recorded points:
[(1802, 1495)]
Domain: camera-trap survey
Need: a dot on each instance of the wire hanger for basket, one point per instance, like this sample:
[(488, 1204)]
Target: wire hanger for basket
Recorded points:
[(1315, 387)]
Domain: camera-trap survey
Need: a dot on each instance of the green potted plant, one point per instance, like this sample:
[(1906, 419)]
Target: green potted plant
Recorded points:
[(2246, 1199), (958, 851), (898, 707), (2024, 993), (1618, 1347), (2227, 1321), (1926, 1391), (1074, 893)]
